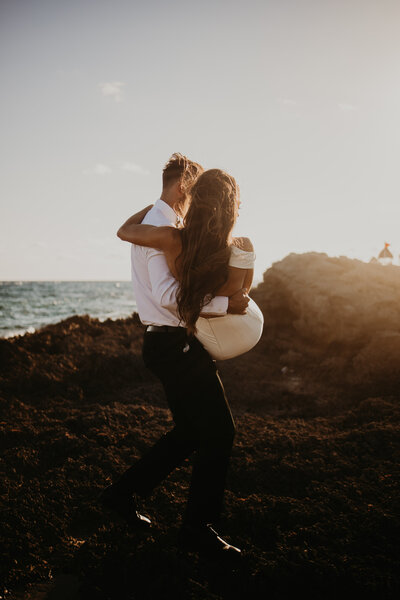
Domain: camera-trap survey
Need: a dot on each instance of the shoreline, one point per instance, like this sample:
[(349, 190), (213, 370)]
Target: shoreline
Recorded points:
[(30, 306), (31, 330)]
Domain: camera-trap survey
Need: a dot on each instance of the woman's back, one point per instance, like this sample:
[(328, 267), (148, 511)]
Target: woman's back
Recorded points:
[(240, 265)]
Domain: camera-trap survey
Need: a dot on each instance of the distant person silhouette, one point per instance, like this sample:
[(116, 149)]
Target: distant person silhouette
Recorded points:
[(385, 257)]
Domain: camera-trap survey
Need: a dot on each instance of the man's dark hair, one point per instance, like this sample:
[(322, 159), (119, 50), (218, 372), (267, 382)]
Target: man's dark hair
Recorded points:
[(180, 168)]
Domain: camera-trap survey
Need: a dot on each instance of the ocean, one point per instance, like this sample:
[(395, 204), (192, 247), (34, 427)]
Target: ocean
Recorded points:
[(25, 306)]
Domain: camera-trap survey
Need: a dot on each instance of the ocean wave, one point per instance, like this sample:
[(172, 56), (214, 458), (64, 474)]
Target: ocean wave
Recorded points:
[(29, 306), (14, 333)]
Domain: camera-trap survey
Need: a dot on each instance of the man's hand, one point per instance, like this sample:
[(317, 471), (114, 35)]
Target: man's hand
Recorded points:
[(238, 303)]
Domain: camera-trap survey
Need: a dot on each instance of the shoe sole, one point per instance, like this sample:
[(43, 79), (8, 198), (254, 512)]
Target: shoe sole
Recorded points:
[(140, 524)]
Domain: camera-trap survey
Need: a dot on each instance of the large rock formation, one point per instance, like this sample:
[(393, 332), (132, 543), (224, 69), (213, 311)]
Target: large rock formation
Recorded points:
[(342, 311)]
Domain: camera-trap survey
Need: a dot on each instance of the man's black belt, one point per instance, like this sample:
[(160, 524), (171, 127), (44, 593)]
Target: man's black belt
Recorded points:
[(163, 329)]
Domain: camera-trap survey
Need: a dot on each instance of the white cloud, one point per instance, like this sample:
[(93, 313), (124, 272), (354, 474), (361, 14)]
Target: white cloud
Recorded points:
[(99, 169), (134, 168), (347, 107), (129, 167), (113, 89)]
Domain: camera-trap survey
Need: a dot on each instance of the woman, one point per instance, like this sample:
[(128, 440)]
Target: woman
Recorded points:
[(208, 261)]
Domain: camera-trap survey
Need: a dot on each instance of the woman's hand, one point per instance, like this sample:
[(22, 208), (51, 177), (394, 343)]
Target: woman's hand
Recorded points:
[(165, 238), (144, 211), (135, 219)]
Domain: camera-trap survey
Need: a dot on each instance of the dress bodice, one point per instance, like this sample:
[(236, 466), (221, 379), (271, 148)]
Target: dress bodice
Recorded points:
[(241, 258)]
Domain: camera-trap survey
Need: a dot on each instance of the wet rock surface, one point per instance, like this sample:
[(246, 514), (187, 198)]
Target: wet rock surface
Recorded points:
[(313, 489)]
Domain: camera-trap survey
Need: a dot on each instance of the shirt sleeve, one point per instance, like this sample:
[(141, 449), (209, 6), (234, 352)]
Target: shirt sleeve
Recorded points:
[(216, 306), (164, 286)]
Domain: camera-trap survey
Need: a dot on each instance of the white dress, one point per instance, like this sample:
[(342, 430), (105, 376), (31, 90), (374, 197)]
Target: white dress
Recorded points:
[(231, 335)]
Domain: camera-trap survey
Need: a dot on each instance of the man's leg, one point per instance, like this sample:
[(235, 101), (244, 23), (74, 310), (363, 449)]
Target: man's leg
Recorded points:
[(156, 464), (204, 410), (162, 354), (209, 420), (203, 421)]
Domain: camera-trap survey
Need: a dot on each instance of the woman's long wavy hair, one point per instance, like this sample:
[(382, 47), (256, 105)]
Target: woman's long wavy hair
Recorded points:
[(206, 237)]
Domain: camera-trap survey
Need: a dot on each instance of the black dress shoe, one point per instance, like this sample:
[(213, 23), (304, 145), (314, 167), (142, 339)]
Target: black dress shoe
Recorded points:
[(124, 506), (205, 540)]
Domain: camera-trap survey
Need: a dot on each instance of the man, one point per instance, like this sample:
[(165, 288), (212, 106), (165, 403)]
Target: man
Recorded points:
[(203, 421)]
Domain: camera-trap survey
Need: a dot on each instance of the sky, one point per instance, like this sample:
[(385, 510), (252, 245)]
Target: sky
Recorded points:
[(299, 100)]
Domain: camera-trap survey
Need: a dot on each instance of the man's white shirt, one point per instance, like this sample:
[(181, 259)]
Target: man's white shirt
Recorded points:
[(154, 286)]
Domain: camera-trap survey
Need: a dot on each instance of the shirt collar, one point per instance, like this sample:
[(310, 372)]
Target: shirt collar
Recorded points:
[(167, 211)]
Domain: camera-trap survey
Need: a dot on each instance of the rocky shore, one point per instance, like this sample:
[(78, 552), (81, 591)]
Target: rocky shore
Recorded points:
[(313, 488)]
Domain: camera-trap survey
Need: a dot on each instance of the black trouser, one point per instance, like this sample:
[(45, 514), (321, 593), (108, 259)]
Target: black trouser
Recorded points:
[(203, 422)]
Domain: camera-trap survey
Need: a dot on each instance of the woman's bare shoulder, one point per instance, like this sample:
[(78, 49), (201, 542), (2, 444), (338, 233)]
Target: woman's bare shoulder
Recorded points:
[(244, 243)]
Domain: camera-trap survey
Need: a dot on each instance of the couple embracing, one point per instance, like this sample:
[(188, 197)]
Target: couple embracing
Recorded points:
[(191, 280)]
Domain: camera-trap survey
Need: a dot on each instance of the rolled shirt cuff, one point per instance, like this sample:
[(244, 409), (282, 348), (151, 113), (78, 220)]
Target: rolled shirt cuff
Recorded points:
[(216, 306)]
